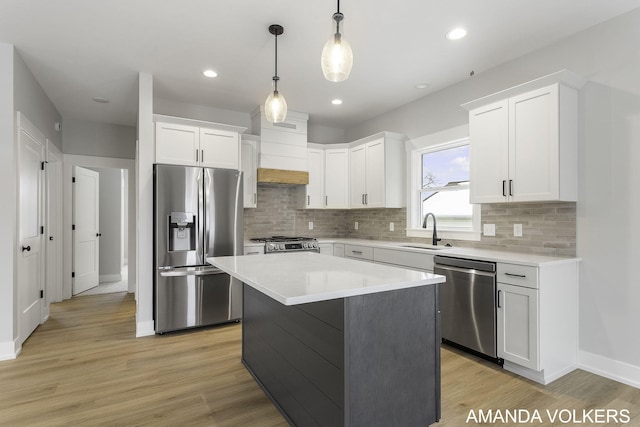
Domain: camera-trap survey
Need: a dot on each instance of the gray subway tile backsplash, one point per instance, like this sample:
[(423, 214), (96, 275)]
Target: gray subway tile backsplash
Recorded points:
[(549, 228)]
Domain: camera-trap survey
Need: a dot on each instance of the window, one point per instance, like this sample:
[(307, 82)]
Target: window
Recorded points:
[(440, 185)]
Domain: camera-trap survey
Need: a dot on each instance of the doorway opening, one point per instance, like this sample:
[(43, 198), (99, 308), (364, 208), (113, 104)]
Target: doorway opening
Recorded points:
[(115, 227), (101, 230)]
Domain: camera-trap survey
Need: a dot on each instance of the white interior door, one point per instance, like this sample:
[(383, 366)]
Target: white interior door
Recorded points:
[(86, 247), (53, 235), (30, 228)]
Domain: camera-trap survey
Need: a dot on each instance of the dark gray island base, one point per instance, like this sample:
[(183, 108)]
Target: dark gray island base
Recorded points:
[(367, 360)]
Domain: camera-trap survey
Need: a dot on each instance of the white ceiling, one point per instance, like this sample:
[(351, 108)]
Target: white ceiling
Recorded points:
[(79, 49)]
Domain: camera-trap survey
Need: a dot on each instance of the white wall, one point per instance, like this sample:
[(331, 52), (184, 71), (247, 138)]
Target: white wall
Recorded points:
[(8, 217), (19, 91), (33, 102), (110, 224), (144, 200), (608, 235), (87, 138)]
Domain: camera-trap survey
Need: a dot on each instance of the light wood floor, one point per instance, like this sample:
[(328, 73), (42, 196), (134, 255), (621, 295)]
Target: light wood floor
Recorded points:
[(85, 367)]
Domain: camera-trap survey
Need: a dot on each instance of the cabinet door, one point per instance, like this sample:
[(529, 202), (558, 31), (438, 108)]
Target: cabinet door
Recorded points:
[(357, 174), (534, 145), (326, 248), (315, 188), (489, 156), (219, 149), (177, 144), (249, 167), (518, 325), (375, 175), (336, 178)]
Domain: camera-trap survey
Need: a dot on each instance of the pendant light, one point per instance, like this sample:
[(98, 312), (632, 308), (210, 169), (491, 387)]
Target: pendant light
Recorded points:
[(276, 107), (337, 57)]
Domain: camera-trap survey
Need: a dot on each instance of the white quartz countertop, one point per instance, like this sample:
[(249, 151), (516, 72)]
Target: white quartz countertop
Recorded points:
[(460, 252), (303, 277)]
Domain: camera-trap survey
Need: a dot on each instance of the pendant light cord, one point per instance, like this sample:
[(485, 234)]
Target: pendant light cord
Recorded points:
[(275, 77)]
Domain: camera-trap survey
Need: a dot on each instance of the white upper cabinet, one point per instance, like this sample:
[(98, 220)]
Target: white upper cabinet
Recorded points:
[(377, 172), (328, 186), (315, 188), (336, 178), (195, 143), (524, 148), (249, 168), (219, 149), (177, 144)]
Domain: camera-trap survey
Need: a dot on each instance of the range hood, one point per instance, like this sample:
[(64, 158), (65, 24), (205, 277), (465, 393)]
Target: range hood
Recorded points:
[(282, 176), (283, 148)]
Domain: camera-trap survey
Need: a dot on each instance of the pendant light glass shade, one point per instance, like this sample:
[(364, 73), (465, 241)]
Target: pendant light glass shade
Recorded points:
[(337, 56), (337, 59), (275, 109)]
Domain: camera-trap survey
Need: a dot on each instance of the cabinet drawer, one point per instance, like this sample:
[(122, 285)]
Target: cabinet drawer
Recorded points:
[(356, 251), (253, 250), (519, 275), (409, 259)]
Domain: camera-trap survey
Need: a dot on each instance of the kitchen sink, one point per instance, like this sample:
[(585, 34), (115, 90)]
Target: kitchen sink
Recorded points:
[(430, 247)]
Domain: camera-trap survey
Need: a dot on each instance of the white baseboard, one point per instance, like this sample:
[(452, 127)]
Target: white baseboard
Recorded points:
[(9, 350), (108, 278), (542, 377), (609, 368), (145, 329)]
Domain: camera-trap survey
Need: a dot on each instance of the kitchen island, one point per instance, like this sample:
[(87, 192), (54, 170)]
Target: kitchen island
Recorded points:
[(340, 342)]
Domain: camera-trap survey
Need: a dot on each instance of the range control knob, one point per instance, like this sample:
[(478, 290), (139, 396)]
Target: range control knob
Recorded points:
[(305, 245), (315, 244), (271, 247), (281, 246)]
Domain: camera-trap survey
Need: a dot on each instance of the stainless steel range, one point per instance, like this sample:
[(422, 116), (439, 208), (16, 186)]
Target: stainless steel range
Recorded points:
[(282, 244)]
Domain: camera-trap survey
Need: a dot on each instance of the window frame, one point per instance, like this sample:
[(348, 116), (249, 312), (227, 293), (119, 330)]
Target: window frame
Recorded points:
[(414, 220)]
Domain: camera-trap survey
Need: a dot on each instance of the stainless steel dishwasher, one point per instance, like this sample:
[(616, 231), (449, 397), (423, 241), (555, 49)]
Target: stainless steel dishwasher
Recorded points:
[(468, 304)]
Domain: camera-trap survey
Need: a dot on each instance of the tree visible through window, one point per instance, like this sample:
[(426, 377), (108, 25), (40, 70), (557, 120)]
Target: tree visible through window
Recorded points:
[(445, 187)]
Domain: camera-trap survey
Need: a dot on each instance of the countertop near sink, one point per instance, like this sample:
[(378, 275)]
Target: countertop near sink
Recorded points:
[(460, 252)]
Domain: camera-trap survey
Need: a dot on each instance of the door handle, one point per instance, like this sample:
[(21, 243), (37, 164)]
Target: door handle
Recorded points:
[(98, 234), (255, 198), (326, 200), (308, 200), (26, 248), (51, 238), (511, 187), (504, 192), (499, 292), (197, 155)]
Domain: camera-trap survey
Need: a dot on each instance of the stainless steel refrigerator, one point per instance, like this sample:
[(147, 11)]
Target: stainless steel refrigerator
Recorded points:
[(197, 214)]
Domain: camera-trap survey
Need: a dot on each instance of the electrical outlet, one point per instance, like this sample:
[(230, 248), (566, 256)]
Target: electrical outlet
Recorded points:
[(489, 230), (391, 226), (355, 225), (310, 225), (517, 230)]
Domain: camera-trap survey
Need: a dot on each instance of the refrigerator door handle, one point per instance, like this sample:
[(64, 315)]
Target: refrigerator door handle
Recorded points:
[(191, 271)]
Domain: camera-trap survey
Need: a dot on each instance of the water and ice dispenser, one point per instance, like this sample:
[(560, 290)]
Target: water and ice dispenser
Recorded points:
[(182, 231)]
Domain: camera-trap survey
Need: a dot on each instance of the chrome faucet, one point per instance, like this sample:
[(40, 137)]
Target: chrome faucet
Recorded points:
[(435, 238)]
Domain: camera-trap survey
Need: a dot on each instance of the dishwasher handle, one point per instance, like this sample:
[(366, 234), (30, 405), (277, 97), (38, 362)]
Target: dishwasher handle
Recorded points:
[(463, 263), (463, 270)]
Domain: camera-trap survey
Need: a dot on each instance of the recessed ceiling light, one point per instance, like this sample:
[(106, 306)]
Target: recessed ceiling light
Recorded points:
[(100, 100), (456, 34), (422, 85), (336, 101), (210, 73)]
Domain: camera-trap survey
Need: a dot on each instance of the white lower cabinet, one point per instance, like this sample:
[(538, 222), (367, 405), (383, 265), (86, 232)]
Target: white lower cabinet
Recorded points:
[(338, 250), (537, 319), (326, 248), (518, 325)]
